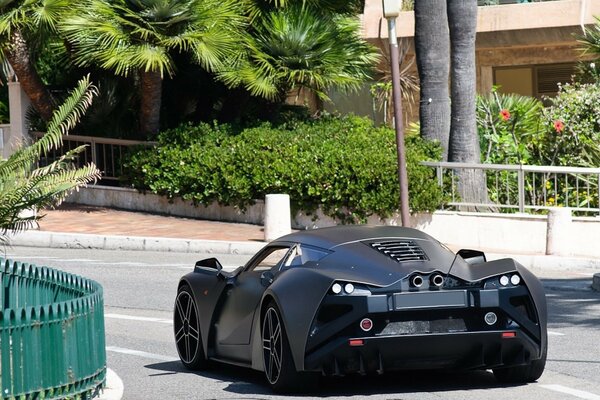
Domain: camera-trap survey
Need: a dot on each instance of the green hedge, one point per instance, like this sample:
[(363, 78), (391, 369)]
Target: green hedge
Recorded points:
[(346, 165)]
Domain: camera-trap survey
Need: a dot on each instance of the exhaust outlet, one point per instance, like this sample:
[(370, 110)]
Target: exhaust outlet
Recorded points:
[(416, 281), (437, 280)]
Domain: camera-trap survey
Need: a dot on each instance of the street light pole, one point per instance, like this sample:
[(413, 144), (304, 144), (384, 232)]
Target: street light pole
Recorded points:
[(391, 10)]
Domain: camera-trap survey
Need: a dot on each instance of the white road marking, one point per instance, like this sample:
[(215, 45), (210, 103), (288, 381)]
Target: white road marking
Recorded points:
[(30, 257), (138, 353), (136, 318), (100, 262), (551, 333), (579, 300), (573, 392), (131, 263)]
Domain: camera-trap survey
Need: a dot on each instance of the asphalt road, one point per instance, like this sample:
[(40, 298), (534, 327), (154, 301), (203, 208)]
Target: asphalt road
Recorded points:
[(140, 289)]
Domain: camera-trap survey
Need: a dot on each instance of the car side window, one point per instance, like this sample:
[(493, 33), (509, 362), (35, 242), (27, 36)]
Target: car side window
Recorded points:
[(270, 259), (301, 254)]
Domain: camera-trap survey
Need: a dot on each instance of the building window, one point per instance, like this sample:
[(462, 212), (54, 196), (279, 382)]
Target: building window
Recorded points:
[(534, 80)]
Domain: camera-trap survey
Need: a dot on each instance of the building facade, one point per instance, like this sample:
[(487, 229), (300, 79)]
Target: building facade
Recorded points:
[(524, 48)]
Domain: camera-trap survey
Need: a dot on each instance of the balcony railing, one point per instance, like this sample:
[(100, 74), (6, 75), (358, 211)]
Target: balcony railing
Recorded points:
[(525, 187), (106, 153)]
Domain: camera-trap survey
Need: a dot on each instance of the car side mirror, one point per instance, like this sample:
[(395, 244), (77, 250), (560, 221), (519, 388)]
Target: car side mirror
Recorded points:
[(472, 256), (211, 263), (266, 278)]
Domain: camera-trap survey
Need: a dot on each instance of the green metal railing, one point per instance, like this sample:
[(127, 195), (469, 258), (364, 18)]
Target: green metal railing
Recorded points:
[(52, 342)]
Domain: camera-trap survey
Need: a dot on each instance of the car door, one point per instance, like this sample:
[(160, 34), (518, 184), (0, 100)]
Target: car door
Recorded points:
[(241, 299)]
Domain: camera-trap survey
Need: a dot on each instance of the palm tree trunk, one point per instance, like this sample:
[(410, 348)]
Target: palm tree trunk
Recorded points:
[(432, 49), (464, 141), (20, 61), (150, 103)]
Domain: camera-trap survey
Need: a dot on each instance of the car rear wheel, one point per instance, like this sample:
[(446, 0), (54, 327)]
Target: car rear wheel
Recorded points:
[(522, 373), (279, 367), (186, 325)]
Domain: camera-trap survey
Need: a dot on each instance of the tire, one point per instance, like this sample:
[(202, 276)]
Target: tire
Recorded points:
[(278, 362), (186, 327), (523, 373)]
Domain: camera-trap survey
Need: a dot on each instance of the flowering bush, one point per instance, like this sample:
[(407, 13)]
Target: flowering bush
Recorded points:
[(572, 122), (508, 126)]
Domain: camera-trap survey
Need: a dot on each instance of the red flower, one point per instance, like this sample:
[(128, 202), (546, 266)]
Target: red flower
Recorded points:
[(505, 114), (559, 125)]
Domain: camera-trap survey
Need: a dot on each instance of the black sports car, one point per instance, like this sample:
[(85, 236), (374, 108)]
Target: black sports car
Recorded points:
[(356, 299)]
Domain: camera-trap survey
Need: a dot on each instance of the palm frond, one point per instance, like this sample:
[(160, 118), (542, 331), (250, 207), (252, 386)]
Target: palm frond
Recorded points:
[(25, 187)]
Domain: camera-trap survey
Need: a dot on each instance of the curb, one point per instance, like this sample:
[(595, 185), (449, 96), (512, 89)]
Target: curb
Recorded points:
[(114, 387), (596, 282), (139, 243)]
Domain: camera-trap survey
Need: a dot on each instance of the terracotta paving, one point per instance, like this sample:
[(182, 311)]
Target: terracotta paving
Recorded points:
[(74, 218)]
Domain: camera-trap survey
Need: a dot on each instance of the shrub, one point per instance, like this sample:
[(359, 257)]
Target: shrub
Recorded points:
[(509, 126), (572, 134), (346, 165)]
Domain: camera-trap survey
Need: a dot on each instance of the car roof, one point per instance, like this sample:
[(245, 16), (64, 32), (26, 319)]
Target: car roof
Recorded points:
[(328, 238)]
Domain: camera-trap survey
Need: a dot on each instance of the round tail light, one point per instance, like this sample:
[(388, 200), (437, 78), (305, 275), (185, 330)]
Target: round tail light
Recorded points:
[(366, 324), (490, 318)]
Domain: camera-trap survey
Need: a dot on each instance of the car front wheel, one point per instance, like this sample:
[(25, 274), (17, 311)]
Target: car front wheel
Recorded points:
[(186, 325)]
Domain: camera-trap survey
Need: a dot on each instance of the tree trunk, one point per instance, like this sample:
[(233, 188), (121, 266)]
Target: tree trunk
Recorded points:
[(150, 103), (464, 141), (432, 52), (20, 61)]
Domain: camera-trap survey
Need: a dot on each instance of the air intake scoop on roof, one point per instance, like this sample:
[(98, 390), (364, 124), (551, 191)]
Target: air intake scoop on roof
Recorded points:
[(399, 250)]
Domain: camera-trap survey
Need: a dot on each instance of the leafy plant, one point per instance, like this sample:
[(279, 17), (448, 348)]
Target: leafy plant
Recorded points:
[(345, 165), (141, 37), (509, 127), (300, 47), (23, 186), (572, 134)]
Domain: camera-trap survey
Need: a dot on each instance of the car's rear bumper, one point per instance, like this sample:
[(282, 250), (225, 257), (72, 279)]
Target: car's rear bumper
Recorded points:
[(461, 350), (425, 329)]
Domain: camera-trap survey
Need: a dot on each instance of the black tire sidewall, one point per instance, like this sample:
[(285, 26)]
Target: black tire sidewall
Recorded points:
[(199, 360)]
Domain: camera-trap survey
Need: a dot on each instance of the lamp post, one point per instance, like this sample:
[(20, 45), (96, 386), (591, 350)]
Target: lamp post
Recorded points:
[(391, 10)]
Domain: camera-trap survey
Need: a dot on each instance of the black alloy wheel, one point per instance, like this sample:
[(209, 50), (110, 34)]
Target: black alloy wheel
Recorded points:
[(186, 326), (272, 345), (278, 362)]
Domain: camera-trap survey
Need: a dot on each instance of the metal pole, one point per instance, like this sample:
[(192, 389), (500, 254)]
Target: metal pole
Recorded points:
[(398, 122)]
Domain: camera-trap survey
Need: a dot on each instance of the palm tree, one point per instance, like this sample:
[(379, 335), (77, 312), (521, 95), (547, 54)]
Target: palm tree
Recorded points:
[(136, 37), (299, 47), (25, 187), (432, 49), (464, 140), (23, 25), (445, 40)]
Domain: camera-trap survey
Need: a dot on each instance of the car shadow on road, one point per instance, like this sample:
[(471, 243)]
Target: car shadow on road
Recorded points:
[(246, 382)]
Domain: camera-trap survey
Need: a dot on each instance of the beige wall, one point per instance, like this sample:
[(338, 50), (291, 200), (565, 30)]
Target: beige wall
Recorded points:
[(538, 15)]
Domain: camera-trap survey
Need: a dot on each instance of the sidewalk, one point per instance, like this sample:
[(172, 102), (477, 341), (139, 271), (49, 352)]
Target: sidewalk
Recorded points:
[(80, 226), (75, 218)]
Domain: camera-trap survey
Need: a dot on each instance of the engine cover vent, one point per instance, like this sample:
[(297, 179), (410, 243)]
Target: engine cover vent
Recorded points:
[(400, 250)]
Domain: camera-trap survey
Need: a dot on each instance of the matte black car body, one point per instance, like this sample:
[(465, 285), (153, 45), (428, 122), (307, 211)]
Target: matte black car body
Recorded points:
[(440, 323)]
